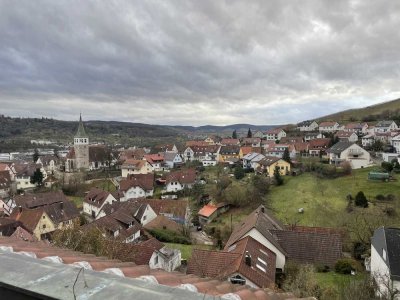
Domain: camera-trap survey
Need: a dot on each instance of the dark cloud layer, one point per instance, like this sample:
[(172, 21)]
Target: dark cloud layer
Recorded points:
[(196, 62)]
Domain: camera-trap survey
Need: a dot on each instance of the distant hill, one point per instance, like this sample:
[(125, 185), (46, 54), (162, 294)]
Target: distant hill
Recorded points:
[(16, 133), (222, 129), (381, 111)]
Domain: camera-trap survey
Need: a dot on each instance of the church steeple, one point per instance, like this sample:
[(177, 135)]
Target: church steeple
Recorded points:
[(81, 133)]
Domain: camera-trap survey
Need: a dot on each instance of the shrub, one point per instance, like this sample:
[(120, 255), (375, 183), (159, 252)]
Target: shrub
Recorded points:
[(322, 268), (390, 197), (239, 173), (389, 211), (344, 266), (361, 200), (169, 236), (380, 197)]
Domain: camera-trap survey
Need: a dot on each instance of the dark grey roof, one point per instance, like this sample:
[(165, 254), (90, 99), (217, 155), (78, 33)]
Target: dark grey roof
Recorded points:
[(340, 147), (81, 133), (389, 239)]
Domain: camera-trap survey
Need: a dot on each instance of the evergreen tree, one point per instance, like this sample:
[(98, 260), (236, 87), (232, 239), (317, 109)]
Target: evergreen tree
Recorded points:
[(37, 177), (361, 200), (35, 155), (249, 133), (277, 176), (234, 134), (286, 156), (239, 172)]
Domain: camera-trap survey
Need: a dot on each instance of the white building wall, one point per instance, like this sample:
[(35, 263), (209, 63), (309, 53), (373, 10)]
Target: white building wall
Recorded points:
[(174, 186), (148, 216), (380, 272)]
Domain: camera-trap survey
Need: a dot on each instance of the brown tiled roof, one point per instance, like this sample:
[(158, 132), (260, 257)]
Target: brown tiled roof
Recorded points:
[(229, 150), (261, 220), (199, 150), (131, 154), (206, 286), (246, 150), (5, 180), (175, 207), (291, 139), (230, 142), (26, 169), (162, 222), (96, 197), (344, 134), (319, 143), (221, 264), (40, 199), (327, 124), (61, 212), (144, 250), (301, 146), (196, 143), (311, 245), (99, 153), (22, 234), (117, 221), (144, 181), (28, 217), (274, 131), (187, 176), (133, 163), (269, 160), (46, 159)]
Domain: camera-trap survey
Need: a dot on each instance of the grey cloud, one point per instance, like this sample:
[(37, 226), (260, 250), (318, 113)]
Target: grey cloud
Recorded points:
[(167, 62)]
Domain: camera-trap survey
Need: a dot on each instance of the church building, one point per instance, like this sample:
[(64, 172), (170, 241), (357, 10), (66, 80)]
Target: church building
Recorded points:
[(78, 156)]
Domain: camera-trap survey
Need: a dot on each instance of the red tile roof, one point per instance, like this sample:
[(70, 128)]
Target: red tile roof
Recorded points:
[(207, 210), (206, 286), (154, 158)]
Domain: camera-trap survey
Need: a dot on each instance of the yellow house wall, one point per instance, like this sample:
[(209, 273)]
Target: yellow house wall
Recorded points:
[(279, 163), (39, 227)]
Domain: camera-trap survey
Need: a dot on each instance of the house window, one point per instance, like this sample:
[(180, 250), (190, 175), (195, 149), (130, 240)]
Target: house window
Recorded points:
[(156, 260), (144, 218), (43, 217), (44, 226), (384, 254)]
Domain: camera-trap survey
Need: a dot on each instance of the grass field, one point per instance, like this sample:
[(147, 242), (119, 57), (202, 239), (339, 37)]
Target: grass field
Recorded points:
[(104, 184), (324, 200), (77, 200), (186, 250)]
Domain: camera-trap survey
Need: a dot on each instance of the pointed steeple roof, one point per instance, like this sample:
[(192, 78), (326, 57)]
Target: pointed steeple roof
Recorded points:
[(81, 133)]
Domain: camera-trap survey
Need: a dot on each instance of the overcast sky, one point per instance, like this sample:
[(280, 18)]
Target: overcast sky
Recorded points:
[(197, 62)]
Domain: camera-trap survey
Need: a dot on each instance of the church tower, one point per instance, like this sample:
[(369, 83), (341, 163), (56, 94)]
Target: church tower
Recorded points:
[(81, 147)]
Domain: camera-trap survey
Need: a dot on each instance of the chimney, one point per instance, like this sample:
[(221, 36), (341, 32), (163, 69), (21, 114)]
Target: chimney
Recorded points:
[(61, 205)]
